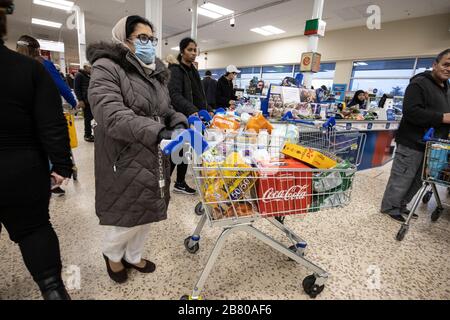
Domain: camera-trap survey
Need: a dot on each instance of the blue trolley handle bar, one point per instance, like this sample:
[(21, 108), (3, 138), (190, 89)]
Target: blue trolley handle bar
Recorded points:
[(429, 137), (330, 123), (193, 137)]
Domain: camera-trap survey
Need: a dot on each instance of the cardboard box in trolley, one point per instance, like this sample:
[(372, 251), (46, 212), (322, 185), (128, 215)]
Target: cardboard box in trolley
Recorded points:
[(284, 192)]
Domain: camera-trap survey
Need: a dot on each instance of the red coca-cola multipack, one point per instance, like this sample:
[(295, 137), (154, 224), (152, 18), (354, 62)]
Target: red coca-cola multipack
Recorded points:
[(283, 189)]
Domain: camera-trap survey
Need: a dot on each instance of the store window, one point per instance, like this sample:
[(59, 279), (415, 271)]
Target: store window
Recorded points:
[(246, 75), (323, 78), (382, 76), (424, 64), (276, 74)]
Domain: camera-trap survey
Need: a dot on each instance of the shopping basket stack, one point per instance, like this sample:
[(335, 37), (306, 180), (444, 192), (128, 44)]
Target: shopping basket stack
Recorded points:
[(436, 172), (240, 181)]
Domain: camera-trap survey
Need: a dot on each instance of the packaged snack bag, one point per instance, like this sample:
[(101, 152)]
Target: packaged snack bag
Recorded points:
[(309, 156), (224, 122), (258, 123)]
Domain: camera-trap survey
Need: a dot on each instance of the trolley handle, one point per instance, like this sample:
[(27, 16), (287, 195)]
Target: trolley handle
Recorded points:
[(192, 120), (329, 124), (429, 137), (189, 136)]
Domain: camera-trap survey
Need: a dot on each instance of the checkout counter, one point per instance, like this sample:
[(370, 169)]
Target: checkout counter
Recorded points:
[(379, 146)]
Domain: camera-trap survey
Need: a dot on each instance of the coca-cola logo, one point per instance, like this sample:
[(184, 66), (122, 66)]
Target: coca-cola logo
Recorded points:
[(293, 193)]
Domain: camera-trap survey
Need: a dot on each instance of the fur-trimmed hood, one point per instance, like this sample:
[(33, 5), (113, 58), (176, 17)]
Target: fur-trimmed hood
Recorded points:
[(121, 56)]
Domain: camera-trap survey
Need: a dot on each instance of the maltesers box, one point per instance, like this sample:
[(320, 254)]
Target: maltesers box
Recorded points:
[(309, 156), (284, 188)]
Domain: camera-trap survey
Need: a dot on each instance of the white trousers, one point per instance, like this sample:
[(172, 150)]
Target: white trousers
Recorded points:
[(127, 243)]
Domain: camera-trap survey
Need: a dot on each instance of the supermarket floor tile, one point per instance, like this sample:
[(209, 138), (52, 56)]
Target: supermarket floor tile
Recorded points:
[(356, 245)]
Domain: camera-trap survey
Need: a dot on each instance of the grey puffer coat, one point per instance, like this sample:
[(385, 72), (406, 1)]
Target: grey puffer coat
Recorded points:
[(131, 109)]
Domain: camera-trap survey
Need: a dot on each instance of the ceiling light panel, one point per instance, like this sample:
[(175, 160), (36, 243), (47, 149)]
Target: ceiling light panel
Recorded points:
[(209, 14), (273, 30), (56, 4), (46, 23), (261, 32), (217, 9)]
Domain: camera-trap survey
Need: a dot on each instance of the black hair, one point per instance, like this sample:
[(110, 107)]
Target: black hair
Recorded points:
[(28, 46), (208, 73), (133, 21), (442, 55), (6, 7), (184, 44)]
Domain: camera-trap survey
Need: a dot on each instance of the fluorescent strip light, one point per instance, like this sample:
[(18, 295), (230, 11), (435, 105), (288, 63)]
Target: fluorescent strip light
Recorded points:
[(56, 4), (273, 30), (217, 9), (209, 14), (261, 31), (51, 45), (176, 48), (46, 23)]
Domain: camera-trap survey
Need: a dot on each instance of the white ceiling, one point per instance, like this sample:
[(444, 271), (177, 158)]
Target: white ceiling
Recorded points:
[(101, 16)]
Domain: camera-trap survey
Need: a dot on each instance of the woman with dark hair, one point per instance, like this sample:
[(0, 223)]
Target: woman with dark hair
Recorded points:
[(359, 100), (188, 96), (32, 131), (130, 101)]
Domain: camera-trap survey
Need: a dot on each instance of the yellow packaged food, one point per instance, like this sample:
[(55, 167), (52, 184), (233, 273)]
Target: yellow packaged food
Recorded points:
[(72, 130), (223, 122), (309, 156)]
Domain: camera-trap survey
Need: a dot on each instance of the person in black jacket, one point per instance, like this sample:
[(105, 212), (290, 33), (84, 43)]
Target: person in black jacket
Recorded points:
[(210, 87), (225, 96), (32, 131), (187, 95), (81, 85), (426, 105)]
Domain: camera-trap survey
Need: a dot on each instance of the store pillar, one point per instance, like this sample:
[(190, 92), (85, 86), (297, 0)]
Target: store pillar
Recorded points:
[(194, 28), (154, 12), (313, 44), (81, 30)]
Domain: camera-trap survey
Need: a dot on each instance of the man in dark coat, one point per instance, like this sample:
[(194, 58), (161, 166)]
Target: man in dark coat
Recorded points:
[(225, 95), (210, 87), (81, 85), (426, 105)]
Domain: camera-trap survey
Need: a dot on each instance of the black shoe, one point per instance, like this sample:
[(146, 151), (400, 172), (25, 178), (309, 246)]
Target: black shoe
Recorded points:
[(89, 139), (118, 277), (53, 289), (58, 192), (395, 214), (184, 188), (150, 267), (407, 212)]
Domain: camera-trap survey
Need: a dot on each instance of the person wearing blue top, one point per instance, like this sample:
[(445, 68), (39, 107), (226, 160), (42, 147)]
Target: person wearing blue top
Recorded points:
[(30, 47)]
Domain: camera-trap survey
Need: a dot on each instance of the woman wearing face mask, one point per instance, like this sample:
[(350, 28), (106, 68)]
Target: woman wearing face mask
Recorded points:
[(225, 96), (131, 104)]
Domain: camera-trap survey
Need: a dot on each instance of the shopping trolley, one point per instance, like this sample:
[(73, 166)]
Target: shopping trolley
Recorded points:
[(327, 135), (436, 172), (235, 194)]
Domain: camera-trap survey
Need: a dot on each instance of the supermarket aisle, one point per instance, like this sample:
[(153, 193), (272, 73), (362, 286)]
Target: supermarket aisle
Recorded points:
[(348, 243)]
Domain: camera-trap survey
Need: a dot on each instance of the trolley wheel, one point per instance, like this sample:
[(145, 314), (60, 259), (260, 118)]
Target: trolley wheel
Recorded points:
[(185, 298), (192, 250), (199, 210), (436, 214), (402, 233), (311, 288), (427, 197)]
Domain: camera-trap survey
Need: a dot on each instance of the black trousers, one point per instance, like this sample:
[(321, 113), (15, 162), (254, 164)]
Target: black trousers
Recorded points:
[(181, 169), (88, 117), (24, 213), (29, 226)]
